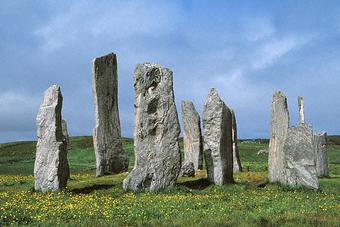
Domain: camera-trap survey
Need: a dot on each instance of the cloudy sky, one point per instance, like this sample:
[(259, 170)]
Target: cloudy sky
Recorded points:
[(246, 50)]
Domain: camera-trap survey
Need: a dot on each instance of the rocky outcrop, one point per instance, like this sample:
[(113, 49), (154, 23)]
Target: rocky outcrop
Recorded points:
[(299, 162), (193, 147), (158, 162), (110, 156), (278, 133), (51, 169), (320, 149), (218, 148), (236, 156)]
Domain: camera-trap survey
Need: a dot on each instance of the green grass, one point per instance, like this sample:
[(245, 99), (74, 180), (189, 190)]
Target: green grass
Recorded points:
[(251, 201)]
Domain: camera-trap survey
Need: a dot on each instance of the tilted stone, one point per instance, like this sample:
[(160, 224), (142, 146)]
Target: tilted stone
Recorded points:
[(193, 147), (236, 156), (51, 168), (320, 149), (301, 110), (278, 133), (300, 169), (110, 156), (158, 161), (218, 148)]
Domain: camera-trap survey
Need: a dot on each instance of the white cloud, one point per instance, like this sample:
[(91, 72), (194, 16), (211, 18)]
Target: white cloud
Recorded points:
[(271, 51)]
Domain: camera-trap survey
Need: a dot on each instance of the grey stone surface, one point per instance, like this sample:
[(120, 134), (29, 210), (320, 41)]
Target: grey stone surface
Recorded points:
[(110, 156), (299, 164), (301, 106), (188, 170), (278, 133), (51, 168), (193, 146), (65, 131), (158, 161), (320, 149), (218, 148), (236, 157)]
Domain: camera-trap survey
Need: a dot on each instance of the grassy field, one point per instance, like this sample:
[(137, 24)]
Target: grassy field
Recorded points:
[(91, 201)]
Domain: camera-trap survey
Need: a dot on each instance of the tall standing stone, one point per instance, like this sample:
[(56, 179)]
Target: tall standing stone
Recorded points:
[(320, 149), (301, 110), (278, 133), (51, 168), (156, 133), (110, 156), (299, 163), (236, 156), (193, 147), (65, 131), (218, 148)]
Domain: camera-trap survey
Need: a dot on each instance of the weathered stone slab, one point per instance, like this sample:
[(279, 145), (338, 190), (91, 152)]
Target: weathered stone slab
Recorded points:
[(299, 164), (188, 170), (278, 132), (158, 161), (51, 168), (301, 110), (320, 149), (110, 156), (236, 157), (193, 146), (218, 148)]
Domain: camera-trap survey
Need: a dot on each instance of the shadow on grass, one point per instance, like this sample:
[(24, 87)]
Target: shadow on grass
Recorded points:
[(89, 189), (199, 184)]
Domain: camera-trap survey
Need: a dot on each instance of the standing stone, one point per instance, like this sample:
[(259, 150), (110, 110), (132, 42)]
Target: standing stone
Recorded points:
[(236, 157), (320, 149), (301, 110), (218, 147), (110, 156), (278, 133), (65, 131), (299, 164), (51, 168), (156, 133), (193, 147)]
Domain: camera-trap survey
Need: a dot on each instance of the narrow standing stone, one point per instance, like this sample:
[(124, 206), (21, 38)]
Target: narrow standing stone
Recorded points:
[(51, 168), (299, 164), (236, 156), (193, 147), (278, 133), (158, 160), (301, 110), (320, 149), (65, 131), (110, 156), (218, 148)]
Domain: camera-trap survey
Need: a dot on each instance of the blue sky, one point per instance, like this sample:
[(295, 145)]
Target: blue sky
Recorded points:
[(245, 49)]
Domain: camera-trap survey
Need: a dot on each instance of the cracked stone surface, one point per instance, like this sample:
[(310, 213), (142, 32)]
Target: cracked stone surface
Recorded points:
[(192, 138), (158, 161), (320, 149), (51, 169), (218, 148), (110, 156)]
